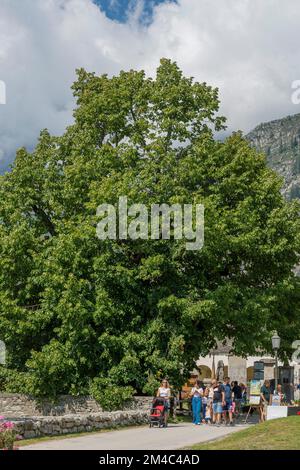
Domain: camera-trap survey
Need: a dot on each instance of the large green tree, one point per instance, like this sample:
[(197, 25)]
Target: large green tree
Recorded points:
[(78, 313)]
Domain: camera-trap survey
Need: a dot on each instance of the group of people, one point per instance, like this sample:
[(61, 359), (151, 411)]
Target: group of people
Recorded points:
[(216, 402), (222, 401), (266, 397), (210, 404)]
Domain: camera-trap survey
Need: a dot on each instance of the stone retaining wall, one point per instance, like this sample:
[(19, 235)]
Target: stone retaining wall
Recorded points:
[(18, 405), (39, 426)]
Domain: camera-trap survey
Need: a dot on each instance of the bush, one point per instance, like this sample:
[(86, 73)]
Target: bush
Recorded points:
[(110, 396), (151, 386), (13, 381)]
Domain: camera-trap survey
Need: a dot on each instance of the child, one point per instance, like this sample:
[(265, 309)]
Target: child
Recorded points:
[(206, 402), (204, 405), (208, 413)]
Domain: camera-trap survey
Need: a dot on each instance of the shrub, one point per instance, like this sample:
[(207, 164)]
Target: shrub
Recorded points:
[(110, 396), (151, 386), (13, 381)]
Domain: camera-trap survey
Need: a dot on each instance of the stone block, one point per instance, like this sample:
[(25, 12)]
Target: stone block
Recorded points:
[(29, 434), (237, 369)]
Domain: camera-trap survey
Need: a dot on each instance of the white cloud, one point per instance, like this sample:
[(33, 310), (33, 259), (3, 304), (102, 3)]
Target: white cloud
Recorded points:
[(249, 48)]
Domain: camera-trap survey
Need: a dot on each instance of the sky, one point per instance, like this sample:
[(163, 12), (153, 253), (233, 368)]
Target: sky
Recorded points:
[(247, 48), (120, 10)]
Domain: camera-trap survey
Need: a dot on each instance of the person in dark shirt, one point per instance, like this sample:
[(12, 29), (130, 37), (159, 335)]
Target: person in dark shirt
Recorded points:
[(227, 408), (265, 397), (265, 392), (237, 391), (237, 396), (218, 401)]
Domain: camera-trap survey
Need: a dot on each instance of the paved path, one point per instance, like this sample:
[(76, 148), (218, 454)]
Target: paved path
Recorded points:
[(174, 437)]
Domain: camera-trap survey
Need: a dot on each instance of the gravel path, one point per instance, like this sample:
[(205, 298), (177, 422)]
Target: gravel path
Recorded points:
[(140, 438)]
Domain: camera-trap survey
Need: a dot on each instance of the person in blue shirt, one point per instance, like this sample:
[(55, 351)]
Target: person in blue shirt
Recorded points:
[(227, 408)]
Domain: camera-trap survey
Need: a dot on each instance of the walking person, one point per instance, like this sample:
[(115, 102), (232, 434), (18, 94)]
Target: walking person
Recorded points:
[(218, 401), (197, 394), (244, 395), (237, 396), (164, 392), (227, 408)]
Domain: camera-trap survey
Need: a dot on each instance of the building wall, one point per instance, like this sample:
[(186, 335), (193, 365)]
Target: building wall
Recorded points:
[(207, 361)]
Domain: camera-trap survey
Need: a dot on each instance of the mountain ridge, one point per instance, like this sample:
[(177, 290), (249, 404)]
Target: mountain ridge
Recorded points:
[(279, 139)]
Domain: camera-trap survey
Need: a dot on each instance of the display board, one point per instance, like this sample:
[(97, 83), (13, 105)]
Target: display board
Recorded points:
[(254, 400), (255, 386)]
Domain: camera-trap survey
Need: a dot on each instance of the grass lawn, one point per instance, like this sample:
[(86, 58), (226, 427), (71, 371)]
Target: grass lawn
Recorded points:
[(277, 434)]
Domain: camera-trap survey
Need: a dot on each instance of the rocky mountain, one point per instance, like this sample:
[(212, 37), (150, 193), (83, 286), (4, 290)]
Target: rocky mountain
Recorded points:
[(280, 141)]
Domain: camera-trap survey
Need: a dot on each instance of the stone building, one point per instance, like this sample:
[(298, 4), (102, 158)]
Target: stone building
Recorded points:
[(242, 369)]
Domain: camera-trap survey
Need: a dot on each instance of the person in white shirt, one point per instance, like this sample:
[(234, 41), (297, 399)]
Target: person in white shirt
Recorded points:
[(164, 391), (197, 394)]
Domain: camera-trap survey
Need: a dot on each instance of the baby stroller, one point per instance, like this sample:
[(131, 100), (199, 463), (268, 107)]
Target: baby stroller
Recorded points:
[(158, 413)]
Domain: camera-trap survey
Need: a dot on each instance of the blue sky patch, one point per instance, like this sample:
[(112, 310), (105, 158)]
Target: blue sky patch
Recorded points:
[(119, 10)]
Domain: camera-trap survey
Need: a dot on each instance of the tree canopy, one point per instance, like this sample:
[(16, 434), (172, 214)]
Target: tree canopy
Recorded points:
[(80, 314)]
